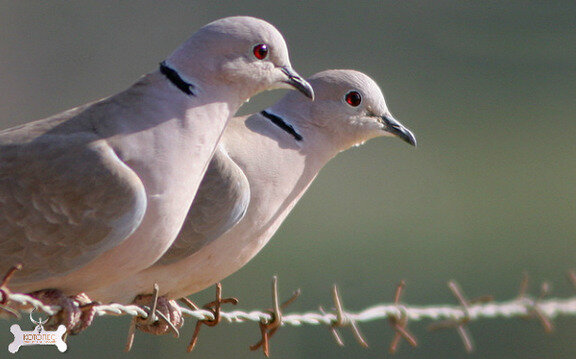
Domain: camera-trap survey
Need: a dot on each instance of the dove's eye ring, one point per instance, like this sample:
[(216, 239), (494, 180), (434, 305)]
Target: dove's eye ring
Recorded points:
[(353, 98), (260, 51)]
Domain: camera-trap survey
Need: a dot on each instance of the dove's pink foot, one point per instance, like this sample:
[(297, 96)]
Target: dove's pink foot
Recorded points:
[(166, 310), (77, 312)]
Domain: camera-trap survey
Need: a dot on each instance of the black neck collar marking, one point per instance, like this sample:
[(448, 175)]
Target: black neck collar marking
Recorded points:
[(278, 121), (173, 76)]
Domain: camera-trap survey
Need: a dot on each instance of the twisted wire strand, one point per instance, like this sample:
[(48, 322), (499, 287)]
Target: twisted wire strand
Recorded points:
[(520, 307), (397, 314)]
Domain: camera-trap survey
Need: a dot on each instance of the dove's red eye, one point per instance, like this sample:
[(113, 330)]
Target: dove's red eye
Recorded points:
[(260, 51), (353, 98)]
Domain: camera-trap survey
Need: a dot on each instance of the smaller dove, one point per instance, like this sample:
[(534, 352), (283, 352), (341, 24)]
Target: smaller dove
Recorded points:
[(261, 168)]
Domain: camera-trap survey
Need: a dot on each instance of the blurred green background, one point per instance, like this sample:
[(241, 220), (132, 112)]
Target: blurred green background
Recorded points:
[(489, 89)]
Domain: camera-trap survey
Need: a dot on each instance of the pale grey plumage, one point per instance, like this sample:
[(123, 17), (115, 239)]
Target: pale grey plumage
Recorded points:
[(99, 192), (48, 219), (279, 161), (220, 203)]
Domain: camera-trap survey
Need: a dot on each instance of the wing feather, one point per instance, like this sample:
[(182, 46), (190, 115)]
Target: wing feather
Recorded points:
[(65, 197)]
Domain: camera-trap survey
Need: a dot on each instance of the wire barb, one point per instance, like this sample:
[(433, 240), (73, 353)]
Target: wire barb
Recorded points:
[(269, 327), (213, 307), (400, 322), (5, 292), (6, 280), (159, 316), (533, 305), (460, 323), (343, 319), (572, 277), (149, 315)]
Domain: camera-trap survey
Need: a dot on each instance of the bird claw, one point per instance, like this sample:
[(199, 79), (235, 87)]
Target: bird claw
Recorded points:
[(164, 317), (77, 311)]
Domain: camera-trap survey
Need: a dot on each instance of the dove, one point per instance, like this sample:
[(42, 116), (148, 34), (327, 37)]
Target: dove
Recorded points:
[(263, 165), (99, 192)]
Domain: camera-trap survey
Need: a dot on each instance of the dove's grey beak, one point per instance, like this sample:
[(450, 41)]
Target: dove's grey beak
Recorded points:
[(298, 82), (397, 129)]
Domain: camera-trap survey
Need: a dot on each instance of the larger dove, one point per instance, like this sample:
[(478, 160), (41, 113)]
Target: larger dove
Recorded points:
[(100, 192)]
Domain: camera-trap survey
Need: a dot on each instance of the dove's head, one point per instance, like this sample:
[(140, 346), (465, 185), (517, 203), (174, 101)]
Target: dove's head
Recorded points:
[(244, 53), (348, 110)]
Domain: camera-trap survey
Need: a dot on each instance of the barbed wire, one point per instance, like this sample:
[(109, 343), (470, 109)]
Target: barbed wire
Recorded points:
[(398, 314)]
